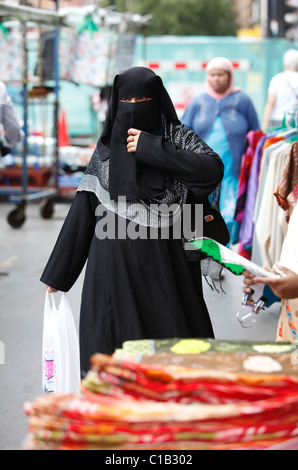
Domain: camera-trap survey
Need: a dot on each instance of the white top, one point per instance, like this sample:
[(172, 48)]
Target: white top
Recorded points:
[(270, 222), (289, 255), (8, 119), (285, 86)]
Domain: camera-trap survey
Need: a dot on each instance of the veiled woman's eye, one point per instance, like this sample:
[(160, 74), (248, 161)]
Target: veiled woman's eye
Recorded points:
[(136, 99)]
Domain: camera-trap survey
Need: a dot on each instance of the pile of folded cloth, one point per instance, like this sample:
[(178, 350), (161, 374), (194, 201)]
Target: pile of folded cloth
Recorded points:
[(222, 396)]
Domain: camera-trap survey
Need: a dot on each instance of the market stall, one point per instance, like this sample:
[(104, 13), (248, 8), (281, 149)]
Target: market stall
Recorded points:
[(176, 395), (16, 179)]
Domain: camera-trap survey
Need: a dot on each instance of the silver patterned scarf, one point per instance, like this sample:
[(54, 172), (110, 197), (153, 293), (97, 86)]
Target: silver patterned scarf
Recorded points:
[(147, 212)]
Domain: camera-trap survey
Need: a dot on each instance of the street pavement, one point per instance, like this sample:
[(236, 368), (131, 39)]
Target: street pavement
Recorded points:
[(23, 254)]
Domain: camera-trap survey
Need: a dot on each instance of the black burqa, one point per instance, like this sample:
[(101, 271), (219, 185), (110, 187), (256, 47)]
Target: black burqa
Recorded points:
[(135, 288)]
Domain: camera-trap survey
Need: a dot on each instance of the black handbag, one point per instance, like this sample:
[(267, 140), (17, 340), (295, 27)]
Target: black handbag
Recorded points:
[(214, 227)]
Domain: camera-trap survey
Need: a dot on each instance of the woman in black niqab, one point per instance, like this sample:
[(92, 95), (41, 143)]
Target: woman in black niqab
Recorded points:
[(136, 288), (127, 178)]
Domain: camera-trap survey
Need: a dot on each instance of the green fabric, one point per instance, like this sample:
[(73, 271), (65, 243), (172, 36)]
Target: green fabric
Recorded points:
[(88, 25), (3, 31), (211, 249)]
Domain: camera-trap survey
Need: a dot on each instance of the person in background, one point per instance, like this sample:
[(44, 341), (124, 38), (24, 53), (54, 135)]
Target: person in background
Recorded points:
[(222, 116), (282, 92), (10, 123)]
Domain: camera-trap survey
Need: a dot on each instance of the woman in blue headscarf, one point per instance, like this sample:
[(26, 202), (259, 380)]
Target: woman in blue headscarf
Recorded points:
[(222, 116)]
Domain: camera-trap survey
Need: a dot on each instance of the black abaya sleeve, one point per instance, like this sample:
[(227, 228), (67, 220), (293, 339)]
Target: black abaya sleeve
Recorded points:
[(201, 170), (72, 247)]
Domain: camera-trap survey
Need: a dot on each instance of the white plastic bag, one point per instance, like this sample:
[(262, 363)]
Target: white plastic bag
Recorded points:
[(60, 349)]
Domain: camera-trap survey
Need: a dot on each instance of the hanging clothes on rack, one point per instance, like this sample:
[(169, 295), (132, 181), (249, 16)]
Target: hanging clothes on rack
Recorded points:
[(269, 219), (247, 225), (289, 181), (253, 138), (293, 197), (12, 61), (263, 223), (88, 59)]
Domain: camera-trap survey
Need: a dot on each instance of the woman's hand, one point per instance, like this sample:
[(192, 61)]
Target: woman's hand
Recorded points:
[(51, 290), (248, 282), (284, 287), (132, 140)]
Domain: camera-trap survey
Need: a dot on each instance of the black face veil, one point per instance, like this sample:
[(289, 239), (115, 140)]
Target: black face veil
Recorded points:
[(127, 177)]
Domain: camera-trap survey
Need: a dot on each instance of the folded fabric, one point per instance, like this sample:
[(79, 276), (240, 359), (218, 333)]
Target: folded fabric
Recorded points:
[(168, 401), (111, 423)]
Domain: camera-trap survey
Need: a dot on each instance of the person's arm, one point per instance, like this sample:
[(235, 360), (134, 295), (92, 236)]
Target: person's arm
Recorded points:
[(201, 169), (285, 287), (268, 110), (10, 122), (72, 247)]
